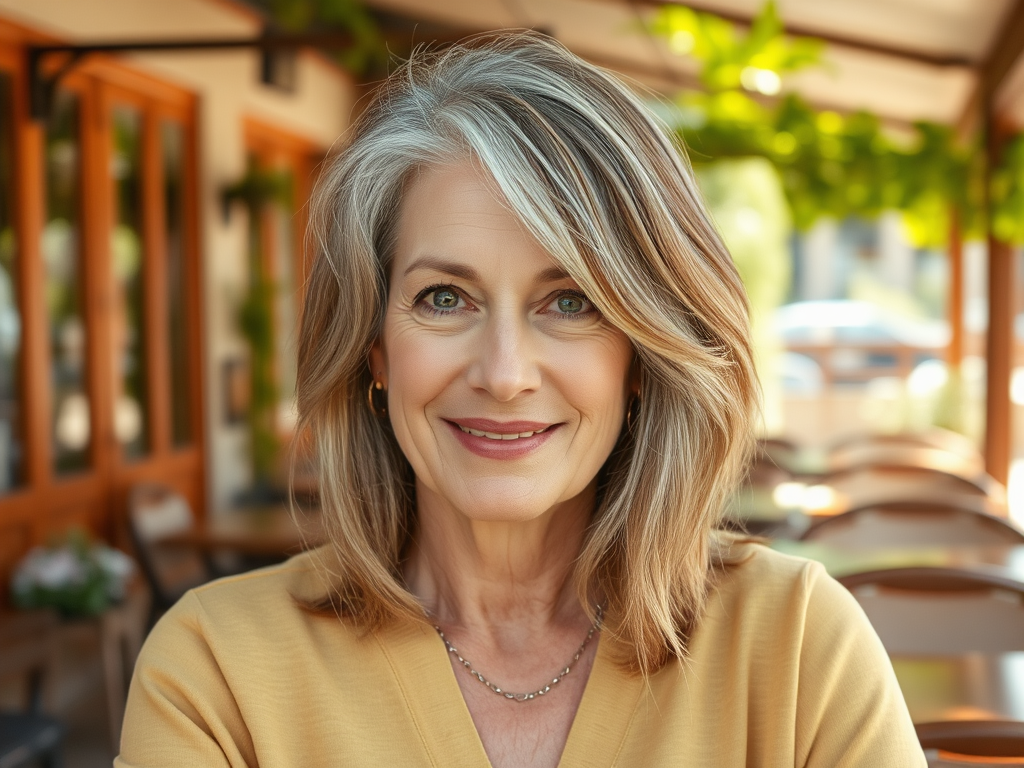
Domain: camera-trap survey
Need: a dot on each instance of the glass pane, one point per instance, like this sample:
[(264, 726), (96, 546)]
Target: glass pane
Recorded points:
[(62, 257), (172, 139), (127, 257), (285, 319), (10, 317)]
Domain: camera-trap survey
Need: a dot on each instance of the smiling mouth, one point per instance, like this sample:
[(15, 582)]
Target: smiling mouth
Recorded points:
[(501, 436)]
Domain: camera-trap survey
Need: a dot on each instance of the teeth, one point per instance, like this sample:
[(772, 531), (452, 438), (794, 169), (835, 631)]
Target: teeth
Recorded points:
[(497, 435)]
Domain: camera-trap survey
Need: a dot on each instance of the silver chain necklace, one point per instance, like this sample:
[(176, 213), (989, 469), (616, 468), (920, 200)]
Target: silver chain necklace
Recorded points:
[(526, 696)]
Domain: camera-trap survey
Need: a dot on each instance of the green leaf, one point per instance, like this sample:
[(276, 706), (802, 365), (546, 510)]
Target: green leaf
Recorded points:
[(765, 30)]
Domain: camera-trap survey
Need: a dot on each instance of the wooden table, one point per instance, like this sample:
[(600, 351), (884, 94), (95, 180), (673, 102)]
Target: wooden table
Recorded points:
[(973, 686), (27, 637), (267, 531), (1004, 560)]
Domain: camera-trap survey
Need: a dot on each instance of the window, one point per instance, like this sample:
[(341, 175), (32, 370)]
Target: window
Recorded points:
[(99, 299), (129, 261), (11, 450), (71, 411), (173, 161), (277, 242)]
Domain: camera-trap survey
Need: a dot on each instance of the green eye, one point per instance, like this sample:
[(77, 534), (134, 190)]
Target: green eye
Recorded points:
[(570, 304), (445, 299)]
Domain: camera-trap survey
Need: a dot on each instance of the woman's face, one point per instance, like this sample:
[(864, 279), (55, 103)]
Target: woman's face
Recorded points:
[(506, 388)]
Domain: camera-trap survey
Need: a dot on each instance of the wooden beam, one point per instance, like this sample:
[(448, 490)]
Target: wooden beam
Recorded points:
[(36, 398), (999, 340), (999, 60), (155, 329), (830, 37), (1004, 53)]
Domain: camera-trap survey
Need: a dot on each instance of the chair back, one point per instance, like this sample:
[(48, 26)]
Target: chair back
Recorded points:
[(934, 437), (900, 524), (955, 743), (970, 468), (942, 611), (925, 463), (156, 512), (865, 486)]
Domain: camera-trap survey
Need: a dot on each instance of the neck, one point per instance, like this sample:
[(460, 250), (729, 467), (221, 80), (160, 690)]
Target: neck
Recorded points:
[(488, 574)]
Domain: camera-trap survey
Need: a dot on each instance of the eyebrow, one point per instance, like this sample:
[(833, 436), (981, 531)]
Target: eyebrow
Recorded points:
[(465, 272), (453, 268)]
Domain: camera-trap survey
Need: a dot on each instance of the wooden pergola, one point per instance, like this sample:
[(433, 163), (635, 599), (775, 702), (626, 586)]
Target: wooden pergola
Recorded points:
[(956, 62)]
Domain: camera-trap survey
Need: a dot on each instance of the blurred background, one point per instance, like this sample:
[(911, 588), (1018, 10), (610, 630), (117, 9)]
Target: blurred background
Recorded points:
[(862, 159)]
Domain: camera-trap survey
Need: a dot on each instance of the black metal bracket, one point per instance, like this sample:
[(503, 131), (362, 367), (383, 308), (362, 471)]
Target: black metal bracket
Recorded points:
[(42, 85)]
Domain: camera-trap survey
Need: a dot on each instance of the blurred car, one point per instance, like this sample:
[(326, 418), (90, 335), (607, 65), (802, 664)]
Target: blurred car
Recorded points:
[(853, 342)]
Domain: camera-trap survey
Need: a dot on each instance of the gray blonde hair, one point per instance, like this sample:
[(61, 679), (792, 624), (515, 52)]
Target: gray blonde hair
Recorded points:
[(599, 183)]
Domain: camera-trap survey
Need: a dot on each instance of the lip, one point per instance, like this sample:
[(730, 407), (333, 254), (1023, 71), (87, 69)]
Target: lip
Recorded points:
[(489, 448), (501, 427)]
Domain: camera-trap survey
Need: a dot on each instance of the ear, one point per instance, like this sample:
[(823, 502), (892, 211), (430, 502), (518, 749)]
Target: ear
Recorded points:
[(378, 363), (634, 376)]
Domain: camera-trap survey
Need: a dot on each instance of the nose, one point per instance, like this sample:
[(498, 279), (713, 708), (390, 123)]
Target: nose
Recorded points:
[(505, 363)]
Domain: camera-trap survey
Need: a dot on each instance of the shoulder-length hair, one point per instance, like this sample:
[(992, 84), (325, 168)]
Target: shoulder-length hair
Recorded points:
[(600, 184)]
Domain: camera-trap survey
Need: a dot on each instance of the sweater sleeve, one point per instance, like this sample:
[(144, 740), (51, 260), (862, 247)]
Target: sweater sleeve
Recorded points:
[(850, 712), (180, 708)]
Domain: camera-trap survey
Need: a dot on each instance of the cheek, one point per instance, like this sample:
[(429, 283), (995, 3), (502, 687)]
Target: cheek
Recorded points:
[(420, 367), (593, 377)]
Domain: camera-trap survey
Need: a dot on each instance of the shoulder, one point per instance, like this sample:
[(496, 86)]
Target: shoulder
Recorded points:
[(272, 588), (780, 604), (752, 567), (802, 647), (255, 611)]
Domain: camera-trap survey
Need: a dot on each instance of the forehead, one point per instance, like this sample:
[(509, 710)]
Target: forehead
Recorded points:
[(454, 213)]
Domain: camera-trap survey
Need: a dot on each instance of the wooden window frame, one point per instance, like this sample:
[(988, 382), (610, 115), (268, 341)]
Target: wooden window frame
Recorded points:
[(96, 498), (275, 146)]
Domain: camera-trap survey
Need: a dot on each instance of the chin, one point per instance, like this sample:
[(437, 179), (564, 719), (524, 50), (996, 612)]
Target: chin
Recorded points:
[(509, 500), (504, 512)]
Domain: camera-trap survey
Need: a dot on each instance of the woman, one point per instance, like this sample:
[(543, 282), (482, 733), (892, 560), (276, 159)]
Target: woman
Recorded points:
[(524, 366)]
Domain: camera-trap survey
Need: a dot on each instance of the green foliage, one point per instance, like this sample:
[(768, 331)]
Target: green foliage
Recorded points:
[(258, 188), (731, 60), (72, 575), (255, 317), (1008, 193), (255, 320), (831, 165), (367, 49)]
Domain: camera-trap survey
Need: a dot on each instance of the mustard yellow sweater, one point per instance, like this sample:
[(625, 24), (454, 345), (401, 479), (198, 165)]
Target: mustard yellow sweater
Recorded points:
[(784, 671)]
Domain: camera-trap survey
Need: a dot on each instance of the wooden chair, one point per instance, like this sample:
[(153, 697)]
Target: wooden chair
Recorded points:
[(155, 512), (935, 437), (28, 650), (928, 613), (951, 744), (942, 611), (971, 468), (866, 486), (765, 472), (924, 462), (915, 524)]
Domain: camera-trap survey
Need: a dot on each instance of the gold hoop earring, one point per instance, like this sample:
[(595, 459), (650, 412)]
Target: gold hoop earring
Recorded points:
[(380, 411), (632, 411)]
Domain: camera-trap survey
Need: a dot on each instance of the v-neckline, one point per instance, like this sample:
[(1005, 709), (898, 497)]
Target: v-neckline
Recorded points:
[(420, 664)]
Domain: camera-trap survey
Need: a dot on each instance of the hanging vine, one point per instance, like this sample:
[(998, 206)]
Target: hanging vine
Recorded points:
[(255, 315), (368, 53), (831, 164)]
